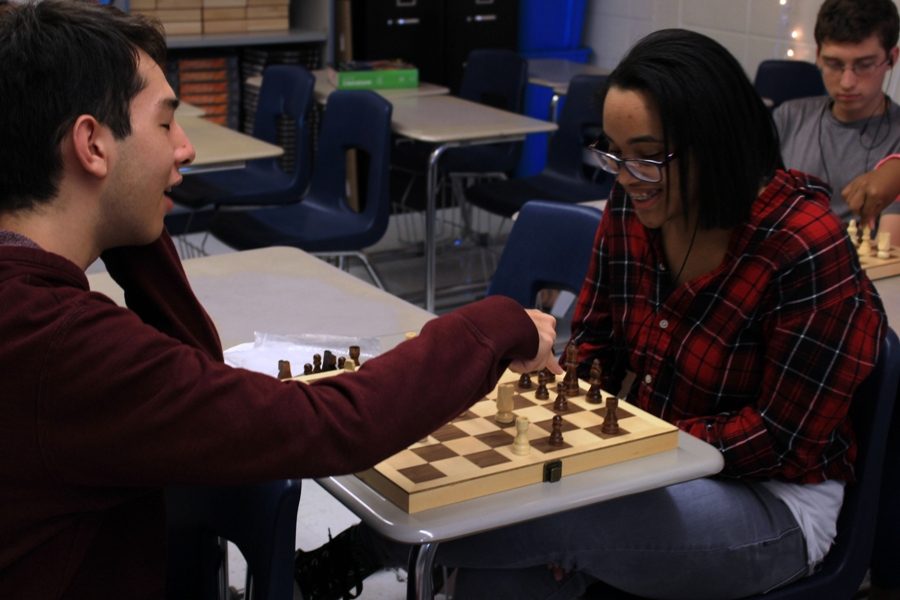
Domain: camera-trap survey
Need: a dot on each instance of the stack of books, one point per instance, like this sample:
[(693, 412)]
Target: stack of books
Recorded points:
[(212, 84)]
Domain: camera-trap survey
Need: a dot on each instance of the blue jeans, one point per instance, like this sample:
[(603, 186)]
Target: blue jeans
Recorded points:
[(706, 538)]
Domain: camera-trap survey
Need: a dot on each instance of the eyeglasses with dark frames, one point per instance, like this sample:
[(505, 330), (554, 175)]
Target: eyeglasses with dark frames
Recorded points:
[(644, 169)]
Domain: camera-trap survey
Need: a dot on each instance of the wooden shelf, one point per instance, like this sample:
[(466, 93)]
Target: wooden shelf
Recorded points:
[(245, 39)]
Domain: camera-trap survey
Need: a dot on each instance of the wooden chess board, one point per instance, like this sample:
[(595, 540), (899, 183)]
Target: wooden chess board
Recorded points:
[(472, 455), (880, 268)]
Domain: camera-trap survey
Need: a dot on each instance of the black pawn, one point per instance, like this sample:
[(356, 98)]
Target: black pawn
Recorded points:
[(556, 438), (561, 404), (542, 393), (525, 382)]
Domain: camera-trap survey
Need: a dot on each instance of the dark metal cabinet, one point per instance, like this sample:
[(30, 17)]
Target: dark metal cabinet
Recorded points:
[(435, 35)]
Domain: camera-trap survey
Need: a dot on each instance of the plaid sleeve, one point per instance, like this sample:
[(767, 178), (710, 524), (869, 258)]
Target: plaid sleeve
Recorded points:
[(823, 324)]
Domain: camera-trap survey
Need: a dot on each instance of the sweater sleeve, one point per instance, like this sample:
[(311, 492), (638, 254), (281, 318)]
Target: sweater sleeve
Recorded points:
[(152, 410), (157, 290)]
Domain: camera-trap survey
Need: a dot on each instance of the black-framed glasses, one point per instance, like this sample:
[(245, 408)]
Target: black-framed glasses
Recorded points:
[(645, 169), (861, 68)]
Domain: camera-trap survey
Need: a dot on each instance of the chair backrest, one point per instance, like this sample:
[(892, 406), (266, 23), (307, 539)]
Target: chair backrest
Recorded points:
[(780, 80), (360, 120), (579, 113), (844, 567), (260, 519), (496, 78), (285, 97), (549, 247)]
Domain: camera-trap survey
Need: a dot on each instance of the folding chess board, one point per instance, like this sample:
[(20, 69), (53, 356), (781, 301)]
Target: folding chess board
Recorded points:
[(472, 455), (879, 268)]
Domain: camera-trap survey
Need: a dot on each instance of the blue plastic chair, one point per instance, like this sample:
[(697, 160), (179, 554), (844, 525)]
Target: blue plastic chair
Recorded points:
[(285, 97), (843, 569), (549, 247), (563, 179), (780, 80), (323, 222), (260, 519)]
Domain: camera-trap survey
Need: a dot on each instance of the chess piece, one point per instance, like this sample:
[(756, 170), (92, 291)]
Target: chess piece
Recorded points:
[(570, 381), (307, 369), (611, 420), (594, 396), (884, 244), (853, 232), (354, 354), (561, 404), (284, 369), (556, 438), (865, 246), (329, 361), (521, 446), (505, 414), (525, 382), (317, 363), (349, 365), (550, 375), (542, 393), (342, 360)]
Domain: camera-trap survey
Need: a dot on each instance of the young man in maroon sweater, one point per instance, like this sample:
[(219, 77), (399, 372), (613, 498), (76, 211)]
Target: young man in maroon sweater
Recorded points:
[(102, 405)]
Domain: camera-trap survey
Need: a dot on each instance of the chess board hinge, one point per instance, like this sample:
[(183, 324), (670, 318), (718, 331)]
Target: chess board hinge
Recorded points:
[(553, 471)]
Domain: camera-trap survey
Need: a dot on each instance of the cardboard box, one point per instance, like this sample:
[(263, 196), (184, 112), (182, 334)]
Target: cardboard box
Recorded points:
[(183, 27), (224, 14), (224, 3), (229, 26), (268, 12), (174, 3), (268, 24), (373, 75)]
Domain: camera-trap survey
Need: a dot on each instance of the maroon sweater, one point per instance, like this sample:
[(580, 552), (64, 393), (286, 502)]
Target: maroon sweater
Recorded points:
[(102, 406)]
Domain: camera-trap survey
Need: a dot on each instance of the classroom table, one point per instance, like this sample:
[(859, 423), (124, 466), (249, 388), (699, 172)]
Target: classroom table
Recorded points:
[(451, 122), (323, 87), (556, 73), (219, 148), (186, 109), (889, 289)]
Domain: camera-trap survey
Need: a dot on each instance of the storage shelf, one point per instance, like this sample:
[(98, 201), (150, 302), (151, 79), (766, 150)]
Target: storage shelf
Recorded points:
[(213, 40)]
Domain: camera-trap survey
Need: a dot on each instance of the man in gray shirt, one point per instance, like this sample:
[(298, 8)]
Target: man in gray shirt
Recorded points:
[(842, 137)]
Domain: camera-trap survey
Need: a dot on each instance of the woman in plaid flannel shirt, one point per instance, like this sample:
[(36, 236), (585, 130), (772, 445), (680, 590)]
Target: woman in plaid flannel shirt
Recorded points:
[(731, 292)]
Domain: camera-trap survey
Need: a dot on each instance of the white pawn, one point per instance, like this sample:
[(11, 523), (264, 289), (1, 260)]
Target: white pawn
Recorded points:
[(865, 246), (521, 446), (853, 232), (505, 404), (884, 244), (349, 364)]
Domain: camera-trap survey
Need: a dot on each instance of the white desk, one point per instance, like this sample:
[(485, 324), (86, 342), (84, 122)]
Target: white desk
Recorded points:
[(287, 291), (889, 289), (556, 73), (323, 88), (220, 148), (451, 122), (186, 109)]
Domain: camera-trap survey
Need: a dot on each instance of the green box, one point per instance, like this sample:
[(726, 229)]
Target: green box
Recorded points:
[(374, 78)]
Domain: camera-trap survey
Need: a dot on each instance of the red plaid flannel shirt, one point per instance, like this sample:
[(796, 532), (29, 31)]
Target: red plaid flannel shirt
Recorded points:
[(759, 357)]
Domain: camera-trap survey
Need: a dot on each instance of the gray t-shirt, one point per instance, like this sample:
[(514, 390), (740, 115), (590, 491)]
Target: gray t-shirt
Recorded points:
[(815, 142)]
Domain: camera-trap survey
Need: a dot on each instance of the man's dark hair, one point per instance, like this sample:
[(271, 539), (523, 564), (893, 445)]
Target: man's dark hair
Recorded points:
[(852, 21), (62, 59), (711, 116)]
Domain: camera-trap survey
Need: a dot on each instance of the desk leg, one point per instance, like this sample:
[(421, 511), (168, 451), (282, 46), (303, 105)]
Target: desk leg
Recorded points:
[(554, 108), (430, 218), (419, 583)]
